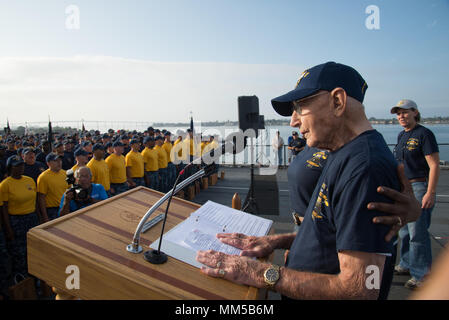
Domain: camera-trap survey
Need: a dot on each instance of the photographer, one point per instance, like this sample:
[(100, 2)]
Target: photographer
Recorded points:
[(83, 192)]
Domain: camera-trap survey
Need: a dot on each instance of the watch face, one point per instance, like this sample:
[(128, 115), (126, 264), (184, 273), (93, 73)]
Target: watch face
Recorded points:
[(272, 275)]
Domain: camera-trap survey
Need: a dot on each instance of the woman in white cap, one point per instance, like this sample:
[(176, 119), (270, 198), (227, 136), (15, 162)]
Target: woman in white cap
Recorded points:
[(418, 150)]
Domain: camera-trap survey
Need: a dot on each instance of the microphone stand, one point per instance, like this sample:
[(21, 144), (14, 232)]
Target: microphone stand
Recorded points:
[(156, 256), (250, 204)]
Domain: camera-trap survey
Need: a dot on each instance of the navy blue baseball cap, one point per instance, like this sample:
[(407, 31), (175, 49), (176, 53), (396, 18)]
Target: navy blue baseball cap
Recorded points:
[(118, 144), (158, 138), (148, 139), (80, 152), (13, 161), (326, 76), (108, 144), (97, 146), (27, 150), (52, 157), (85, 143), (133, 141)]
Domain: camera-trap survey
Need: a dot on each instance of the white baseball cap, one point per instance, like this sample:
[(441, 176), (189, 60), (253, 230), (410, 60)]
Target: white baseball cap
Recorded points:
[(404, 104)]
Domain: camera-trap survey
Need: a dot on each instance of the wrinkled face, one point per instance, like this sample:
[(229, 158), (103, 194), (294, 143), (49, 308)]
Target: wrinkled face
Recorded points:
[(314, 118), (406, 117), (84, 178), (29, 158)]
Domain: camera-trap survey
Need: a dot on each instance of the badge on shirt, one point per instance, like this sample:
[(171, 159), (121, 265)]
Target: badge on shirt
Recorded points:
[(322, 199), (412, 144), (317, 160)]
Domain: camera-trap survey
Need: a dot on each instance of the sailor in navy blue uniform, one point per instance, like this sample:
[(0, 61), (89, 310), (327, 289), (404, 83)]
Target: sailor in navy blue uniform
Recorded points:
[(337, 242)]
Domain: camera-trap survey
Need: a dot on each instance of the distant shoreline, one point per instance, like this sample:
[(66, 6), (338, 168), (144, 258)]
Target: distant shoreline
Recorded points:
[(283, 123)]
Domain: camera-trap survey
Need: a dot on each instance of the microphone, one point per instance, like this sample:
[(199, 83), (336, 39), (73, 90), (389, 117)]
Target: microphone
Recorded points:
[(156, 256)]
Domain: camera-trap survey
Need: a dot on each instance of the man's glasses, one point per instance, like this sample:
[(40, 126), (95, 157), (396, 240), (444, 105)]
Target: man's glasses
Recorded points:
[(297, 105)]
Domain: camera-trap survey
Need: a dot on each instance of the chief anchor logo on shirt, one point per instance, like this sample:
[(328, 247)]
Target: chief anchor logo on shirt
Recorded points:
[(412, 144), (322, 199), (317, 160), (29, 187)]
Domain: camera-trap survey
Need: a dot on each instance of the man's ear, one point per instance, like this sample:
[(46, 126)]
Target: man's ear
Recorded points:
[(339, 99)]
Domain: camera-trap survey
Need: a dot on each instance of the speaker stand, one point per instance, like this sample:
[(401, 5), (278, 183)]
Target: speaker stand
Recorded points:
[(250, 204)]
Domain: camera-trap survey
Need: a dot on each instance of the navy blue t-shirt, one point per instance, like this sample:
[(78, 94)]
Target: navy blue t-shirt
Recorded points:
[(297, 143), (337, 218), (68, 161), (412, 148), (303, 174), (41, 157), (33, 171)]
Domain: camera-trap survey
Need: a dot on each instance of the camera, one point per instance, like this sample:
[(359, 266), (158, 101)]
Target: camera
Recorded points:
[(80, 194)]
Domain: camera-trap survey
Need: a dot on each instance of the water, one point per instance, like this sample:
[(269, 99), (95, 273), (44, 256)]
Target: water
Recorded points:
[(390, 134), (264, 153)]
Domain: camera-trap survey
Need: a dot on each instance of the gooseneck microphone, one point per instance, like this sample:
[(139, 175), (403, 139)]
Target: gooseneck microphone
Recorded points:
[(156, 256)]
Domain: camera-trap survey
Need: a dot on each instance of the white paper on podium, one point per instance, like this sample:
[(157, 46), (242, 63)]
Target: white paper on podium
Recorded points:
[(198, 232)]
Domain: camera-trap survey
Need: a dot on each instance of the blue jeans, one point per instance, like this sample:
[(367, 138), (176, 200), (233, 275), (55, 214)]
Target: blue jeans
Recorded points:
[(416, 252)]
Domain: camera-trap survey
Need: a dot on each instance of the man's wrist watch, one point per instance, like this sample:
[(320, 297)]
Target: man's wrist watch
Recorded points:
[(271, 275)]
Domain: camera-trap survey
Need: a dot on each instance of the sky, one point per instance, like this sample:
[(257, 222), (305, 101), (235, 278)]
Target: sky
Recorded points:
[(157, 61)]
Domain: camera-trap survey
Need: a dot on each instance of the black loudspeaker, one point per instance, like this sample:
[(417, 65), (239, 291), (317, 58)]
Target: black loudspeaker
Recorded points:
[(249, 117)]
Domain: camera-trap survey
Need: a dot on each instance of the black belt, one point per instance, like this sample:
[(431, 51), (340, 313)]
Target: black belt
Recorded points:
[(417, 180)]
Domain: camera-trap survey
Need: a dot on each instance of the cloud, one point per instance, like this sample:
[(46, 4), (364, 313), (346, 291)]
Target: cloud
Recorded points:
[(101, 88)]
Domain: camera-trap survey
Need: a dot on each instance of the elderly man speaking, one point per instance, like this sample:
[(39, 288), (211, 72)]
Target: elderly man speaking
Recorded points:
[(337, 247)]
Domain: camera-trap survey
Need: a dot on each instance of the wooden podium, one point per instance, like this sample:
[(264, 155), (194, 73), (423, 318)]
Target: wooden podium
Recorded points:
[(94, 239)]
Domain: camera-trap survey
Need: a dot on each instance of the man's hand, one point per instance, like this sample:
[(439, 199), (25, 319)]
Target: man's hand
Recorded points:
[(251, 246), (69, 195), (241, 270), (405, 208)]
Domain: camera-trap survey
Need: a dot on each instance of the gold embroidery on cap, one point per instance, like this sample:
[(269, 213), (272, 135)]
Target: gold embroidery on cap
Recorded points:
[(303, 75)]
